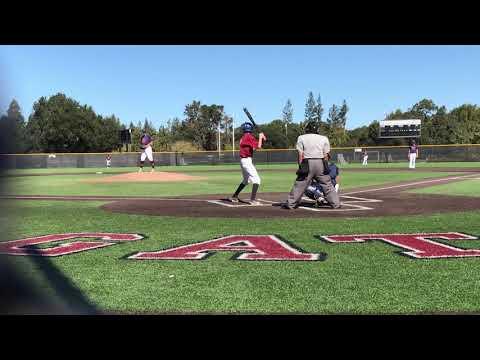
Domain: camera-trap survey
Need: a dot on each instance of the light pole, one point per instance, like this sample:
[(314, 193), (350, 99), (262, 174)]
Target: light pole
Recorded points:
[(286, 134), (233, 136), (218, 146)]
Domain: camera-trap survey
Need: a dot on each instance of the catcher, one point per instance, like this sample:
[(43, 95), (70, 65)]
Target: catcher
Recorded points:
[(315, 191)]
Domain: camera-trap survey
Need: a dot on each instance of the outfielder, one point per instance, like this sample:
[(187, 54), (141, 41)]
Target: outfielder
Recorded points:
[(315, 190), (412, 154), (248, 143), (108, 160), (365, 158), (147, 152)]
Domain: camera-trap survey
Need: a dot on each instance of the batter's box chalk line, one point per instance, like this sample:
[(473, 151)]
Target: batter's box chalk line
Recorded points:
[(236, 205), (350, 204)]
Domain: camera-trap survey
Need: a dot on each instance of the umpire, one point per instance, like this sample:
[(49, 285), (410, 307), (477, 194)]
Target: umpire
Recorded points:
[(312, 159)]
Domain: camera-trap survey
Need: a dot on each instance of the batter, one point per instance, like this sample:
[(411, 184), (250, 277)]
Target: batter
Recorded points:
[(248, 143)]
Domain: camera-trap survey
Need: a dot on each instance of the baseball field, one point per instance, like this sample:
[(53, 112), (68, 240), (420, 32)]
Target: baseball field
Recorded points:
[(166, 242)]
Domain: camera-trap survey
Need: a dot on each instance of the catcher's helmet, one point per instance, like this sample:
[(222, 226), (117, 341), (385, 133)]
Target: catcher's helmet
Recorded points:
[(247, 127)]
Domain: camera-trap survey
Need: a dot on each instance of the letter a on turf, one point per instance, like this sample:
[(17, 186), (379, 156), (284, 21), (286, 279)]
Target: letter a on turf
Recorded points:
[(29, 246), (419, 246), (249, 247)]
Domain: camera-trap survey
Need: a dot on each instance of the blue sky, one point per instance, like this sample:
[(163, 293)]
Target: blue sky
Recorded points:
[(156, 82)]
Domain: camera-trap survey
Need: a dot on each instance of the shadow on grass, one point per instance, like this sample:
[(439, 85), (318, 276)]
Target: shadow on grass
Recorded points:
[(19, 296)]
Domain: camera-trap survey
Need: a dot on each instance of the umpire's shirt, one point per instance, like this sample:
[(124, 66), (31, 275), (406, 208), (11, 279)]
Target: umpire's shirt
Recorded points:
[(313, 148)]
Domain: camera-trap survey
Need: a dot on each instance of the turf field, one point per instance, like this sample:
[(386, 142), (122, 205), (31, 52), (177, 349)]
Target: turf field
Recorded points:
[(461, 188), (359, 278)]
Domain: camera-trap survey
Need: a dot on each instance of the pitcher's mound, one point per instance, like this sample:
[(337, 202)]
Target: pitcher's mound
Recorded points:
[(148, 176)]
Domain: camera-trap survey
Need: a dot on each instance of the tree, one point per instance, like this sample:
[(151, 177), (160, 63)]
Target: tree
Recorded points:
[(164, 138), (287, 113), (464, 124), (275, 132), (12, 130), (321, 125), (148, 128), (110, 127), (61, 124), (310, 108), (202, 123)]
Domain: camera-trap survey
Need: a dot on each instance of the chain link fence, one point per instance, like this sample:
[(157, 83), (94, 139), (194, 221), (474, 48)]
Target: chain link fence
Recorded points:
[(429, 153)]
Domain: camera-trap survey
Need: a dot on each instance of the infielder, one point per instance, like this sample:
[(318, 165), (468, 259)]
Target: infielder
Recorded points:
[(412, 154), (365, 158), (315, 190), (248, 143), (147, 152)]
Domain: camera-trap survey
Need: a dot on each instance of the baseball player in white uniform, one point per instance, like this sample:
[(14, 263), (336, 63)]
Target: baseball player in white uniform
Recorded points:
[(147, 152), (412, 154), (365, 158)]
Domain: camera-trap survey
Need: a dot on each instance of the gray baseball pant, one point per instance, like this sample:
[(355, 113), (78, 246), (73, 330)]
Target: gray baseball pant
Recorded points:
[(316, 170)]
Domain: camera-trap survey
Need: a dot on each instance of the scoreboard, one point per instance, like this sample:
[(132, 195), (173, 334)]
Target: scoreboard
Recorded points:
[(400, 128)]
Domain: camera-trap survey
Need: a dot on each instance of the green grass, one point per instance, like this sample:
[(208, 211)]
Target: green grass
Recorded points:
[(234, 167), (221, 182), (355, 278), (419, 164), (461, 188)]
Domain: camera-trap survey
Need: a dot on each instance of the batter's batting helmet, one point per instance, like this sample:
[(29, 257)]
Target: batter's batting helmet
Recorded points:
[(247, 127)]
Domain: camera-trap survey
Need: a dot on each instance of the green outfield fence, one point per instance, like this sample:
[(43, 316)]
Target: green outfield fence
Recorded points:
[(382, 154)]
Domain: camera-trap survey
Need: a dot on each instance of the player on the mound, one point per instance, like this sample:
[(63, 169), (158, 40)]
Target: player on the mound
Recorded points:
[(147, 152), (315, 191), (248, 143)]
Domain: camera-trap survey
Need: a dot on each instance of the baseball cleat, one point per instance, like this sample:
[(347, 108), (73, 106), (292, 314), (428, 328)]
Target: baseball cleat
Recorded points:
[(254, 202), (140, 170), (288, 207), (153, 170), (234, 199)]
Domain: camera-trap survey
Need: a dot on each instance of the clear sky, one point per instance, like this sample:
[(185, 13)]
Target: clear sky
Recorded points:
[(156, 82)]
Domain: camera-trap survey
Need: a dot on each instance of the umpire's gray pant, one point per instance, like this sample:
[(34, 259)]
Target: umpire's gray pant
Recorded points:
[(316, 170)]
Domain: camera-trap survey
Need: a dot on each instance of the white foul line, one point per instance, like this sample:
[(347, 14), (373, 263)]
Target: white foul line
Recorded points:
[(410, 184)]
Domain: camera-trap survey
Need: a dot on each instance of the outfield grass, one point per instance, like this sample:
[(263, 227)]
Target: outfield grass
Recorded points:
[(224, 182), (234, 167), (462, 188), (355, 278)]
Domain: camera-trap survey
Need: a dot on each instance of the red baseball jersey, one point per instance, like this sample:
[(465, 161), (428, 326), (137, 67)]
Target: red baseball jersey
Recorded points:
[(248, 143)]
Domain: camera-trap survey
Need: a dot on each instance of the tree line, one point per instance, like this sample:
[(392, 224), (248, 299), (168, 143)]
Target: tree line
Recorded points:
[(61, 124)]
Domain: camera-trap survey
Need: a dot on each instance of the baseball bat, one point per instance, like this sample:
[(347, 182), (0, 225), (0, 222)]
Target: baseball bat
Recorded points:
[(250, 117)]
